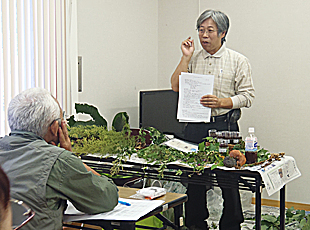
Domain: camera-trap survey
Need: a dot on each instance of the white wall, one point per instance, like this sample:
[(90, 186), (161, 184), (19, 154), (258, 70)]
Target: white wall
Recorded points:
[(175, 24), (118, 41), (143, 53)]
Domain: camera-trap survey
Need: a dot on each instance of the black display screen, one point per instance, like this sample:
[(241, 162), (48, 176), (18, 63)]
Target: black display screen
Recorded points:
[(158, 109)]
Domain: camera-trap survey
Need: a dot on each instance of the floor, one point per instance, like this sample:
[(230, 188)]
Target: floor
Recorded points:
[(248, 213), (215, 206)]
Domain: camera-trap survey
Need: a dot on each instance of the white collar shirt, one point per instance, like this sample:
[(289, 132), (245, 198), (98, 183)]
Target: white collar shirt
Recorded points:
[(232, 76)]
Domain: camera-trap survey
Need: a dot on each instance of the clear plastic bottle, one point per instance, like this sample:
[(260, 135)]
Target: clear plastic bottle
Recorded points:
[(251, 147)]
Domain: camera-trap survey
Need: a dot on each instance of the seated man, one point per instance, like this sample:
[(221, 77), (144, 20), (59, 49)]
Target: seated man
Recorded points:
[(43, 175)]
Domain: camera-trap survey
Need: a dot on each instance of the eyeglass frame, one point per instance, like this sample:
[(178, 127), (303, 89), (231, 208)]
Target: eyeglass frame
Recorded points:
[(59, 119), (203, 31)]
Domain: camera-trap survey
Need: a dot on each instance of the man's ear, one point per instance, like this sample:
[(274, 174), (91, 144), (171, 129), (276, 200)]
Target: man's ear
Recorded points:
[(54, 128), (222, 34)]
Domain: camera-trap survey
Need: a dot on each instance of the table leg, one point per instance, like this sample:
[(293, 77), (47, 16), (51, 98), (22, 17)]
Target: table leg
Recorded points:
[(282, 208), (258, 208), (178, 213)]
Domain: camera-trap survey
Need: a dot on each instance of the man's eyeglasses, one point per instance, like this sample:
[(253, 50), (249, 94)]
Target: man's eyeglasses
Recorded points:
[(59, 119), (208, 32)]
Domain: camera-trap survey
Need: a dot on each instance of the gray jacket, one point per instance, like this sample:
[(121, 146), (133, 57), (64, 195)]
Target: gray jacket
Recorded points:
[(33, 165)]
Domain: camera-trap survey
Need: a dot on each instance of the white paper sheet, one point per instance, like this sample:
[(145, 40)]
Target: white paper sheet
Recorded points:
[(278, 173), (137, 209), (191, 88), (180, 145)]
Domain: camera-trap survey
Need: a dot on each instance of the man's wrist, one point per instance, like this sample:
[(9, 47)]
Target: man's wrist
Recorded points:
[(186, 58), (225, 103)]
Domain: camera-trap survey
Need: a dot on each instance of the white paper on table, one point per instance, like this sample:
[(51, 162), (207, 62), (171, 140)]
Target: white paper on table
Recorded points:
[(278, 173), (191, 88), (180, 145), (137, 209)]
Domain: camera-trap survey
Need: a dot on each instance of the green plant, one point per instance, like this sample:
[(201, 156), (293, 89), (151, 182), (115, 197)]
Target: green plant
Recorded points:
[(98, 140), (93, 137), (213, 225), (299, 217), (262, 154), (160, 154), (157, 136), (118, 123), (98, 120)]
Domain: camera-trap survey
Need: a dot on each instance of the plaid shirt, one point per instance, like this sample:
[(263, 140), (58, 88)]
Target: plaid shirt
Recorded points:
[(232, 76)]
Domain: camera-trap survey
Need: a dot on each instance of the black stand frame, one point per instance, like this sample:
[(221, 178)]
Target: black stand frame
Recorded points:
[(247, 180)]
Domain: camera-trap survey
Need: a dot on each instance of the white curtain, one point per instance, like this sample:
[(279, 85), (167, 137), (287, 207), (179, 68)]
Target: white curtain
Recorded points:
[(36, 51)]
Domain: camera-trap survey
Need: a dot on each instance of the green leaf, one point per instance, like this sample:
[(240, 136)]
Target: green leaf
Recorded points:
[(213, 167), (269, 218), (191, 160), (264, 227), (289, 212), (301, 212), (71, 121), (297, 217), (120, 120), (306, 226), (266, 224), (302, 223), (98, 120), (212, 147), (202, 146)]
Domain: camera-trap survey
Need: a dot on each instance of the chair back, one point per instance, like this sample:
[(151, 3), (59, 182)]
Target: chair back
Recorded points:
[(21, 213)]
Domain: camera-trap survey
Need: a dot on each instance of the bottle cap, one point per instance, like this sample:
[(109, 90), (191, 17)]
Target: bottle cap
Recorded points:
[(251, 129)]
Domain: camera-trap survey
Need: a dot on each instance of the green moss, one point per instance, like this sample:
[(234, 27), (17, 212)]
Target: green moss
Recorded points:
[(99, 140)]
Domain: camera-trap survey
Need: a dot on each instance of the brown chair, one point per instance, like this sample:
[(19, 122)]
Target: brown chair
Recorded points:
[(21, 213)]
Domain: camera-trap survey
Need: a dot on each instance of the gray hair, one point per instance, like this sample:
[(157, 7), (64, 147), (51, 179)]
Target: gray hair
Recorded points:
[(33, 110), (221, 20)]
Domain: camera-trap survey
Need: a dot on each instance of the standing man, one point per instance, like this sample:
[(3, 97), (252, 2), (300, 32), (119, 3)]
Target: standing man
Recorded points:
[(233, 89), (43, 175)]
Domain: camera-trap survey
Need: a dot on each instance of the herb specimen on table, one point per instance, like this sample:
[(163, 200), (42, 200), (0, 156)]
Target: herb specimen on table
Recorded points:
[(93, 136)]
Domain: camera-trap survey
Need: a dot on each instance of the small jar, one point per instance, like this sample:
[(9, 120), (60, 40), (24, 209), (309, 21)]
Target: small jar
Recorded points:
[(222, 150), (212, 133), (220, 134), (238, 135), (227, 134), (235, 141), (251, 157), (224, 143)]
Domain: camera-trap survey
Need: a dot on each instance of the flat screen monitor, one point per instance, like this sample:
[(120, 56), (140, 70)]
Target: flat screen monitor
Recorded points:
[(158, 109)]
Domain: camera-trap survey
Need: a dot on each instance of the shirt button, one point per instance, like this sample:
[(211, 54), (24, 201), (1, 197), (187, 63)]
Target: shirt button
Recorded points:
[(210, 63), (209, 72)]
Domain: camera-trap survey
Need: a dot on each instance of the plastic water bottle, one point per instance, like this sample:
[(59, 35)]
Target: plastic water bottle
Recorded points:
[(251, 147)]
